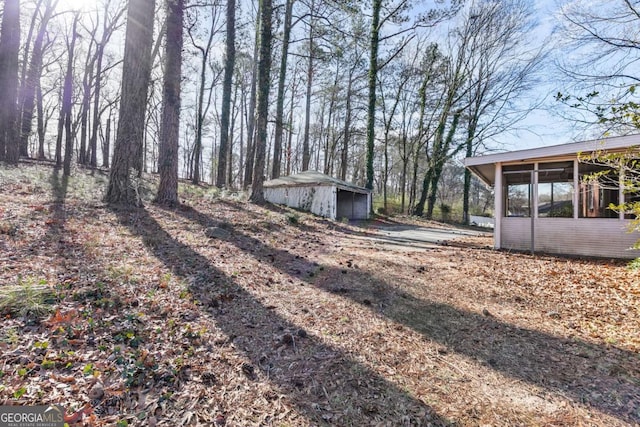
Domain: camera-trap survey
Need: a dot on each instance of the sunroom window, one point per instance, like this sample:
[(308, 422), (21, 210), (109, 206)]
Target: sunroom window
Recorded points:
[(517, 181), (555, 190), (599, 189)]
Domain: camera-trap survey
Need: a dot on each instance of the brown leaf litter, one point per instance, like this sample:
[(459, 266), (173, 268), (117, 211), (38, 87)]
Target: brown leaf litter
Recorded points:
[(220, 312)]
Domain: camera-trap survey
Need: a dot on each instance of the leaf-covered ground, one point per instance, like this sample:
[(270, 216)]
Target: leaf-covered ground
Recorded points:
[(220, 312)]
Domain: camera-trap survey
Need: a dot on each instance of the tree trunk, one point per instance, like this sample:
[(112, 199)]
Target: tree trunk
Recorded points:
[(251, 118), (419, 208), (344, 155), (229, 65), (373, 72), (264, 71), (439, 158), (9, 53), (59, 139), (277, 143), (306, 155), (41, 124), (107, 144), (22, 89), (32, 81), (290, 132), (403, 180), (232, 126), (135, 81), (67, 95), (170, 126), (200, 114), (467, 175), (108, 29), (241, 112), (93, 142), (86, 103)]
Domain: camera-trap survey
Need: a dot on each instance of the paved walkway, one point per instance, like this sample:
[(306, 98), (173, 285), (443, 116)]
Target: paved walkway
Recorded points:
[(415, 237)]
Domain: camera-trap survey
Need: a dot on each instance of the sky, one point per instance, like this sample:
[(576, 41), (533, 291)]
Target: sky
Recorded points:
[(544, 126)]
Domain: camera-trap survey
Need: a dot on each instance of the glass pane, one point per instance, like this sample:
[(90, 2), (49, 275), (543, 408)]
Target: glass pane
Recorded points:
[(555, 199), (599, 188), (518, 200)]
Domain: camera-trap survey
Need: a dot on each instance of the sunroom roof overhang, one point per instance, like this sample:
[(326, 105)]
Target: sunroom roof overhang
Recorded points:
[(484, 166)]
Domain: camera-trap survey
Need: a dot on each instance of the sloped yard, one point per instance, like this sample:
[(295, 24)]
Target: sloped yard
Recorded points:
[(224, 313)]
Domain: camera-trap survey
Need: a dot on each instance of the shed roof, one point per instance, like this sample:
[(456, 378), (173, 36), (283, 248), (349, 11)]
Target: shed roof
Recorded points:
[(484, 166), (313, 178)]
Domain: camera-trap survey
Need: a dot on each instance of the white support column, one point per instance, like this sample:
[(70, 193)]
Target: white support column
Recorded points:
[(498, 206), (533, 205), (576, 189), (534, 191)]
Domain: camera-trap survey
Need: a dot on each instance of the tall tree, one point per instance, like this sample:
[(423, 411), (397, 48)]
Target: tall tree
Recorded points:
[(170, 126), (24, 145), (395, 11), (279, 130), (67, 94), (32, 79), (374, 41), (306, 154), (264, 72), (503, 68), (9, 52), (135, 81), (205, 91), (111, 22), (87, 85), (229, 65), (251, 146)]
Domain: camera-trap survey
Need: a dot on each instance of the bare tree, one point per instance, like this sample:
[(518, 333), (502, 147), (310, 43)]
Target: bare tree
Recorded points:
[(279, 128), (229, 65), (87, 83), (111, 22), (33, 75), (9, 49), (170, 126), (598, 56), (503, 69), (250, 113), (306, 155), (135, 81), (264, 72), (67, 96), (204, 91), (383, 13)]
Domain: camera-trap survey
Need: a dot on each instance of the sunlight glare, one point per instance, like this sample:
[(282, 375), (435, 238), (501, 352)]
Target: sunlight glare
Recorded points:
[(75, 5)]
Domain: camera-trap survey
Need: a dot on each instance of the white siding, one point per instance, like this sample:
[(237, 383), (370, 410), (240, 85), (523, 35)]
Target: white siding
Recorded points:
[(600, 237), (319, 200), (515, 234)]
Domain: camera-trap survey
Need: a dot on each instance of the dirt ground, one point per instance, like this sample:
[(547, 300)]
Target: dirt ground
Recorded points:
[(220, 312)]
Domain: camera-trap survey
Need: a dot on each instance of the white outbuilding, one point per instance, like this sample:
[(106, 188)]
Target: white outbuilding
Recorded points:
[(320, 194), (542, 202)]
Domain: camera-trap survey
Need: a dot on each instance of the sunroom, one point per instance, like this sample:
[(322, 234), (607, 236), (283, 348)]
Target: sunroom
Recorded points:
[(543, 203)]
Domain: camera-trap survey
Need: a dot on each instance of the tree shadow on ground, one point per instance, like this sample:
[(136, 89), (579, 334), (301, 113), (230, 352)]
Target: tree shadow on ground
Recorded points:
[(280, 210), (326, 385), (53, 241), (59, 187), (604, 378)]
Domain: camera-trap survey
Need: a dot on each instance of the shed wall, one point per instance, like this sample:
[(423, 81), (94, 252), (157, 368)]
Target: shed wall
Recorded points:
[(599, 237), (319, 199)]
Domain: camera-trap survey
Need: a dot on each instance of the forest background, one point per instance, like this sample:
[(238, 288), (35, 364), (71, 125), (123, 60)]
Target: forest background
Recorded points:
[(386, 94)]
